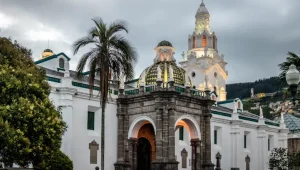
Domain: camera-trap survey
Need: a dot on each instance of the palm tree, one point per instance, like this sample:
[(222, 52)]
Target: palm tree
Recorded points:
[(291, 59), (111, 54)]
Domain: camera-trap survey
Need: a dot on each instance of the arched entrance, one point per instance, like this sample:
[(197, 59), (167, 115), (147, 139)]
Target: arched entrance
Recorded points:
[(142, 143), (144, 154), (146, 146)]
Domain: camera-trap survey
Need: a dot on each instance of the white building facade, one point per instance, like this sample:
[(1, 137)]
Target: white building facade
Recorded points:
[(235, 133)]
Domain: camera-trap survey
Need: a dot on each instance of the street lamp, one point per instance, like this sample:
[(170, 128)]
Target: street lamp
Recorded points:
[(293, 78)]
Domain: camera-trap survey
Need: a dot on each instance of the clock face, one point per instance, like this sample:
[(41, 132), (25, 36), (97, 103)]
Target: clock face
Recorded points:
[(216, 74)]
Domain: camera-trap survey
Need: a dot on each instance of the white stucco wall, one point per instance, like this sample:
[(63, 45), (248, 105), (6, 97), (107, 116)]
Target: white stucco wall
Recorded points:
[(180, 145), (225, 144)]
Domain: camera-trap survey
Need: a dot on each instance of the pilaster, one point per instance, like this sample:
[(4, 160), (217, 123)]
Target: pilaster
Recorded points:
[(235, 144), (66, 106), (262, 142)]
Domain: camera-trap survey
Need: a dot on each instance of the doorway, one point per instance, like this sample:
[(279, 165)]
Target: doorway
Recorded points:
[(144, 154)]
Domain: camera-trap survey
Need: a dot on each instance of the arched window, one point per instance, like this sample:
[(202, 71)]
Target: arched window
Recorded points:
[(214, 42), (194, 42), (239, 105), (61, 63), (204, 41)]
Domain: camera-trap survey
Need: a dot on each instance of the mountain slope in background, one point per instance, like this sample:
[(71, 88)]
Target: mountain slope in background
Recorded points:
[(243, 90)]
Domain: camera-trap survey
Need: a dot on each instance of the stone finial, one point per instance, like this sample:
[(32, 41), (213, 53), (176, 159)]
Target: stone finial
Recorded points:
[(187, 83), (205, 51), (122, 81), (261, 114), (142, 84), (158, 73), (282, 124), (171, 73), (261, 119), (183, 56)]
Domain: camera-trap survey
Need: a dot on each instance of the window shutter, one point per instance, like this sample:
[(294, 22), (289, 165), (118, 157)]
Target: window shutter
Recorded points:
[(245, 141), (215, 137), (91, 121), (181, 133)]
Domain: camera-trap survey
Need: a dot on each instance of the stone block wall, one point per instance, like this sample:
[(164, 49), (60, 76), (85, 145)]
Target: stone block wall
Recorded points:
[(294, 145)]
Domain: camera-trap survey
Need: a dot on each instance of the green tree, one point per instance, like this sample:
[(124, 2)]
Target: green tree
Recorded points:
[(60, 161), (278, 159), (292, 58), (111, 54), (31, 128)]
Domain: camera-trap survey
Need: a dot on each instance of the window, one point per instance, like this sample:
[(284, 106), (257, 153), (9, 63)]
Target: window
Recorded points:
[(61, 63), (204, 41), (194, 42), (181, 133), (239, 105), (215, 137), (245, 141), (91, 121), (268, 144), (94, 147)]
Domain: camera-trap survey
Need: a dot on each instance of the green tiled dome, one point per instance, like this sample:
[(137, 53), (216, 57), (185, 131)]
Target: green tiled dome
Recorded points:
[(164, 43), (151, 73)]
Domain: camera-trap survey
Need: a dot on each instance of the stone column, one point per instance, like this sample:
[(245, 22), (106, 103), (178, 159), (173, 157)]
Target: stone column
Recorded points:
[(207, 159), (133, 153), (194, 154), (120, 154), (165, 134), (158, 136), (171, 150), (247, 159)]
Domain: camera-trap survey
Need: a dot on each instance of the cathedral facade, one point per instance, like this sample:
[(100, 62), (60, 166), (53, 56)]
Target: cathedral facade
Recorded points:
[(171, 117)]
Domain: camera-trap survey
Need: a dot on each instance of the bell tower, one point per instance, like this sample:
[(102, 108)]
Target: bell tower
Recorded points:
[(203, 59)]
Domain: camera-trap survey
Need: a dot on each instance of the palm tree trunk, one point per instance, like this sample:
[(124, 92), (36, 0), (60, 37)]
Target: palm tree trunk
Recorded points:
[(102, 135)]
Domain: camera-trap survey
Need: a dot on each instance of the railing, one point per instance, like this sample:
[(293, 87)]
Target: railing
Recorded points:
[(150, 88), (179, 88), (198, 93), (131, 91)]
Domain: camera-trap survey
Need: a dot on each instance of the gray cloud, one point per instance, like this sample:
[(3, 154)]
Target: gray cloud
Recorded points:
[(253, 35)]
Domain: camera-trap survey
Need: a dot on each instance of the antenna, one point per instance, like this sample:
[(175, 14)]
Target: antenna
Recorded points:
[(48, 43)]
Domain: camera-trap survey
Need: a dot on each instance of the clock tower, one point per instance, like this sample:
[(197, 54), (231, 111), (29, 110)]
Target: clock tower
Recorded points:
[(203, 60)]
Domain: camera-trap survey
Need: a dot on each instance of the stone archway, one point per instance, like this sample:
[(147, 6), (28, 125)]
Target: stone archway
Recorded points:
[(193, 128), (142, 129)]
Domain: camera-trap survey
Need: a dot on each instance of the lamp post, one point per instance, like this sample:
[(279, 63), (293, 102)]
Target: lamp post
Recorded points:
[(293, 78)]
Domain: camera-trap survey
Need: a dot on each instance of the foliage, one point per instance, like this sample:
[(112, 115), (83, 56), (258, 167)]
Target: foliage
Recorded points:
[(30, 126), (292, 58), (243, 90), (60, 161), (280, 159), (112, 54)]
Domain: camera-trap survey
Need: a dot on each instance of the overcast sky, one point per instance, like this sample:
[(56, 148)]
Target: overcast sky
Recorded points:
[(254, 35)]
